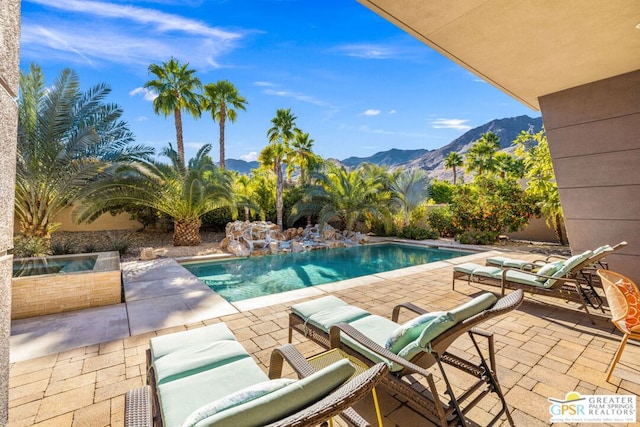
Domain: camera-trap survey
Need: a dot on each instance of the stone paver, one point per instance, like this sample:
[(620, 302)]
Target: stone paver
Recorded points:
[(544, 349)]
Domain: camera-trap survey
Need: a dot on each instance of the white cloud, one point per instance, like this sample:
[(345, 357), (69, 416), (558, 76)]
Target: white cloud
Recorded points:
[(370, 112), (458, 124), (147, 94), (94, 32), (250, 157), (142, 119), (264, 84), (298, 96), (398, 49), (392, 111)]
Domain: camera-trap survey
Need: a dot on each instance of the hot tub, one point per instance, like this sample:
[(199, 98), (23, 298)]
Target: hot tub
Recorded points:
[(56, 284)]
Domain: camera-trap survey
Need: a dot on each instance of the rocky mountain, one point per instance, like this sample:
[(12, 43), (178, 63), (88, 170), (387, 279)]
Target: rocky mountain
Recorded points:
[(432, 160)]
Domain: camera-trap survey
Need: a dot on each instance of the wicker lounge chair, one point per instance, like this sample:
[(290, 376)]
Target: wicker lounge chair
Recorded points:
[(424, 343), (205, 377), (624, 302), (560, 281)]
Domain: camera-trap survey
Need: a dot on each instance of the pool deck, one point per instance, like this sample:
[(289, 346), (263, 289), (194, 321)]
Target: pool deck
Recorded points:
[(73, 369)]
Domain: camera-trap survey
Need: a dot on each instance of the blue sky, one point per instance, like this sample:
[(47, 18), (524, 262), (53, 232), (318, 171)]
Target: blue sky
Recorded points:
[(357, 83)]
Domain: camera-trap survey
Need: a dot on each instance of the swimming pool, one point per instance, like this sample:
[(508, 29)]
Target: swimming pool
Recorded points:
[(244, 278)]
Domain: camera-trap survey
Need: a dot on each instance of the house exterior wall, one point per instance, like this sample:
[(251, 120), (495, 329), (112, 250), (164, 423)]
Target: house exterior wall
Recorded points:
[(594, 139), (9, 77)]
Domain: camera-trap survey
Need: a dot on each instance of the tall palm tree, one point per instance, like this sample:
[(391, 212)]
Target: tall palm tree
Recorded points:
[(273, 156), (338, 193), (453, 161), (303, 156), (409, 190), (176, 86), (508, 165), (222, 100), (481, 156), (183, 193), (67, 140)]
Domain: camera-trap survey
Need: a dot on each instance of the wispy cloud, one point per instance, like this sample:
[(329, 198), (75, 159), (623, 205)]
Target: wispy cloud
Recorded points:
[(458, 124), (390, 50), (142, 119), (370, 112), (264, 84), (147, 94), (250, 157), (392, 111), (91, 32)]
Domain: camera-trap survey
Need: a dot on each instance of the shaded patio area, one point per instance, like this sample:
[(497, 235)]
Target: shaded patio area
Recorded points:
[(546, 348)]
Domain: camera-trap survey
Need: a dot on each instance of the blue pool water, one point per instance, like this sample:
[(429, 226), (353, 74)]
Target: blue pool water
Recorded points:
[(240, 279)]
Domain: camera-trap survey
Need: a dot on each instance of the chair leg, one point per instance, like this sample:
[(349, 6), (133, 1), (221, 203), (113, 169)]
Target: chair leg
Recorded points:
[(616, 358)]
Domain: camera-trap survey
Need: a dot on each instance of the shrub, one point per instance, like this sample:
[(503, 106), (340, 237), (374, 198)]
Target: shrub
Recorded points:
[(89, 248), (62, 248), (441, 191), (478, 237), (416, 233), (441, 220), (120, 243), (217, 219), (30, 246)]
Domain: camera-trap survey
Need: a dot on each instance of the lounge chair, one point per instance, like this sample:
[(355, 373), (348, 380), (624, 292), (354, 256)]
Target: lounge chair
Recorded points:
[(585, 275), (624, 302), (554, 280), (412, 348), (204, 377)]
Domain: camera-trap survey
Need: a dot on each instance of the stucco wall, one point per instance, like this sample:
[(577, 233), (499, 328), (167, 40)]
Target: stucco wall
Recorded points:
[(9, 75), (594, 139)]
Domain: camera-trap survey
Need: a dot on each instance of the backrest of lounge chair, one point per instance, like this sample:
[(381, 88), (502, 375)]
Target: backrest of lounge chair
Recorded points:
[(441, 343)]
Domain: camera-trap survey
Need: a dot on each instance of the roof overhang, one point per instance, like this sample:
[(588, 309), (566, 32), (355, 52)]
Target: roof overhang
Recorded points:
[(529, 48)]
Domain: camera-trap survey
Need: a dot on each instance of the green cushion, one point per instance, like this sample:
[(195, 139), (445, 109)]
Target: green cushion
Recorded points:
[(466, 267), (599, 250), (234, 399), (197, 358), (377, 329), (486, 271), (166, 344), (409, 331), (285, 401), (435, 328), (496, 260), (326, 312), (473, 307), (567, 266), (524, 278), (516, 263), (549, 270), (182, 396)]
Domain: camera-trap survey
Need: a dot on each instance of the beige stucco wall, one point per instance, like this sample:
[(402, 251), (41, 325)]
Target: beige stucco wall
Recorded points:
[(594, 139), (9, 75), (103, 223)]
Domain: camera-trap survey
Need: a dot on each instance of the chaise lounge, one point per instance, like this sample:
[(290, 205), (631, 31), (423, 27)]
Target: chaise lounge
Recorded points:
[(204, 377), (410, 349), (554, 279)]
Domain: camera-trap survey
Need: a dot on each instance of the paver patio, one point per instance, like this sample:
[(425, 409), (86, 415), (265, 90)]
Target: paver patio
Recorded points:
[(544, 349)]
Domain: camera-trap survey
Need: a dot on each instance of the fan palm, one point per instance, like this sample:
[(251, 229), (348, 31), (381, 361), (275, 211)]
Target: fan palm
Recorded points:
[(453, 161), (176, 86), (303, 156), (67, 140), (338, 193), (183, 193), (409, 190), (481, 156), (222, 100), (277, 151)]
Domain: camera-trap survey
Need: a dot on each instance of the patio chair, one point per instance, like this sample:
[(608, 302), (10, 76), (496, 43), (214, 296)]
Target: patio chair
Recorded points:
[(586, 273), (204, 377), (624, 302), (410, 349), (553, 280)]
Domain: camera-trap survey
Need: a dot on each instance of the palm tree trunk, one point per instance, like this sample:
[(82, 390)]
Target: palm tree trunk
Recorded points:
[(246, 213), (223, 114), (455, 176), (186, 232), (279, 191), (179, 141)]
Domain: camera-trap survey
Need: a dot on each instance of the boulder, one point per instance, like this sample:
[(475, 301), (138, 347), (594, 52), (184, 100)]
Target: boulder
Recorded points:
[(238, 249), (147, 254), (273, 247)]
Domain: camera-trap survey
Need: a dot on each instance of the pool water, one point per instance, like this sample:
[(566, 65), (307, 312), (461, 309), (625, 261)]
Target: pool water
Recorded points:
[(53, 265), (240, 279)]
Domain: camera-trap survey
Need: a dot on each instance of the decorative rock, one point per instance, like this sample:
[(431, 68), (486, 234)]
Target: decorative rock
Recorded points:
[(147, 254), (273, 247), (238, 249), (297, 247), (225, 242)]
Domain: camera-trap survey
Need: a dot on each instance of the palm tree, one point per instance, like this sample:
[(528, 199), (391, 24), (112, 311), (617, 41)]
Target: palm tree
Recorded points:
[(453, 161), (67, 140), (338, 193), (303, 156), (176, 86), (245, 190), (183, 193), (508, 165), (481, 156), (409, 190), (222, 99), (276, 153)]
